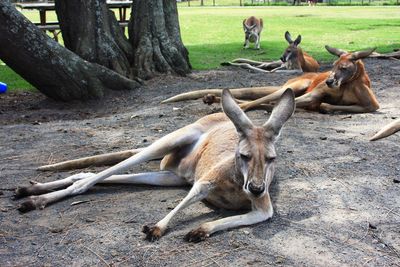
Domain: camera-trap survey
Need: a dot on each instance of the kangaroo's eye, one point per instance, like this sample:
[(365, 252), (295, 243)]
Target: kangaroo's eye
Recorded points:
[(245, 157), (269, 159)]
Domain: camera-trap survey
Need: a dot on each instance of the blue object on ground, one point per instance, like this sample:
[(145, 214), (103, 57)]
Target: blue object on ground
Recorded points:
[(3, 87)]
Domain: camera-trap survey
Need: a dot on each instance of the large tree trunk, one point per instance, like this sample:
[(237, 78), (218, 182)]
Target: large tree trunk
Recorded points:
[(52, 69), (91, 31), (155, 36)]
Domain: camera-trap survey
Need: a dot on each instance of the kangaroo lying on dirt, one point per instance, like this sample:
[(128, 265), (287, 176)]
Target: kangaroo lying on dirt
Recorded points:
[(345, 88), (228, 160), (293, 60), (387, 130)]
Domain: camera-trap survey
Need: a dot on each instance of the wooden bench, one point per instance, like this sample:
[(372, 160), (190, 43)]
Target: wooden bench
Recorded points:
[(54, 27)]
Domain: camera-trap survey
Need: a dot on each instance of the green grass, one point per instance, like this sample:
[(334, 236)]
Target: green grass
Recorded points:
[(214, 34), (13, 80)]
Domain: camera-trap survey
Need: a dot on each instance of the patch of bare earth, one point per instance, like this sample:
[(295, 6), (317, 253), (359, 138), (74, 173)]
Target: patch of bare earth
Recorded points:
[(335, 199)]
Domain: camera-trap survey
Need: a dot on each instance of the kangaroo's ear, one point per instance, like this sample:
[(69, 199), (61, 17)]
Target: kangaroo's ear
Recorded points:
[(362, 54), (281, 113), (335, 51), (288, 37), (297, 41), (252, 26), (242, 123), (244, 24)]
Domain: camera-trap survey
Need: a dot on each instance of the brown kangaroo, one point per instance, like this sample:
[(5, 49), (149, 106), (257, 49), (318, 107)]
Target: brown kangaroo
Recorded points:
[(345, 88), (295, 58), (228, 160)]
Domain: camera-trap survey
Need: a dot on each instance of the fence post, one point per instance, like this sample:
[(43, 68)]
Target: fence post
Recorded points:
[(213, 2), (240, 2), (188, 2)]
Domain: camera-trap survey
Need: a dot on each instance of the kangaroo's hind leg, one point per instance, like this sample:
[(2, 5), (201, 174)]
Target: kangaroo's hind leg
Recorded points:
[(161, 178), (184, 136)]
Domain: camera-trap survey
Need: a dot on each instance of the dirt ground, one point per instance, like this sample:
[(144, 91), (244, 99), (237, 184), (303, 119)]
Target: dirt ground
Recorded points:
[(336, 199)]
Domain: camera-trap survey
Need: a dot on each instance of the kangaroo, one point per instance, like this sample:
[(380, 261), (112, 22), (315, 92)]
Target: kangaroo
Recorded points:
[(387, 130), (346, 88), (295, 58), (252, 31), (228, 160)]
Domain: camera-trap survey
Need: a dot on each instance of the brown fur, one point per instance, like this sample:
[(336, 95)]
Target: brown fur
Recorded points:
[(228, 160), (353, 94)]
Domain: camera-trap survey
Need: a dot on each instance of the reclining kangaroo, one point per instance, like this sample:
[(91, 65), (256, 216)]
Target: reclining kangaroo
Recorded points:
[(387, 130), (228, 161), (345, 88), (293, 60)]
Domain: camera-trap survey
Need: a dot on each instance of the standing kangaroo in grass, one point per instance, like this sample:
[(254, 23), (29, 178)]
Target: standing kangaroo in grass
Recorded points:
[(252, 31), (228, 160)]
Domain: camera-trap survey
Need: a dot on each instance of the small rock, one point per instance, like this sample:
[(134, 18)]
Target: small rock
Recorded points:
[(56, 230), (246, 232), (163, 200), (145, 140), (323, 138), (114, 253), (340, 131), (372, 226), (396, 180), (89, 220)]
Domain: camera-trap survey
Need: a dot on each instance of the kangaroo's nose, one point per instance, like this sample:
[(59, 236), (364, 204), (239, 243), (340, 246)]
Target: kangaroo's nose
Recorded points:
[(329, 82), (256, 190), (282, 59)]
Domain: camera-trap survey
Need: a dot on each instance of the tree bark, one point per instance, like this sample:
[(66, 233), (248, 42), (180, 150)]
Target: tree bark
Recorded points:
[(55, 71), (155, 36), (91, 31)]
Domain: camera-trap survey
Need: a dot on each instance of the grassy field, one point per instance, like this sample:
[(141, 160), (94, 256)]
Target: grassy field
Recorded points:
[(214, 34)]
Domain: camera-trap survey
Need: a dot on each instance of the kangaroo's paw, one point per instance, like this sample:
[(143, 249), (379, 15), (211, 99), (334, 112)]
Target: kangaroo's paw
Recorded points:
[(31, 204), (196, 235), (152, 232)]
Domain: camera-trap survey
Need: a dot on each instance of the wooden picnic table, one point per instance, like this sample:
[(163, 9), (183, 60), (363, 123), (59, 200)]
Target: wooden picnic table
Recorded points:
[(43, 7)]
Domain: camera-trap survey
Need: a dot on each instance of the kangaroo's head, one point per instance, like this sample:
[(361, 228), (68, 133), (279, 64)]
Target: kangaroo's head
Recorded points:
[(250, 31), (255, 152), (346, 68), (292, 51)]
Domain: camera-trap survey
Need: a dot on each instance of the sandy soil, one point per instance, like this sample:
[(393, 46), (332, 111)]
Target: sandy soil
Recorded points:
[(335, 196)]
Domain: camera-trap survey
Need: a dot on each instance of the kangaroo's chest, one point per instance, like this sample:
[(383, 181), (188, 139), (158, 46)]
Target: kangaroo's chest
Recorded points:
[(228, 195), (340, 96)]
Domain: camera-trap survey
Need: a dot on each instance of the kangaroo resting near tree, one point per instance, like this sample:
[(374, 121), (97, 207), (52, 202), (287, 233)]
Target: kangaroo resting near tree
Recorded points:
[(346, 88), (228, 160), (293, 60)]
